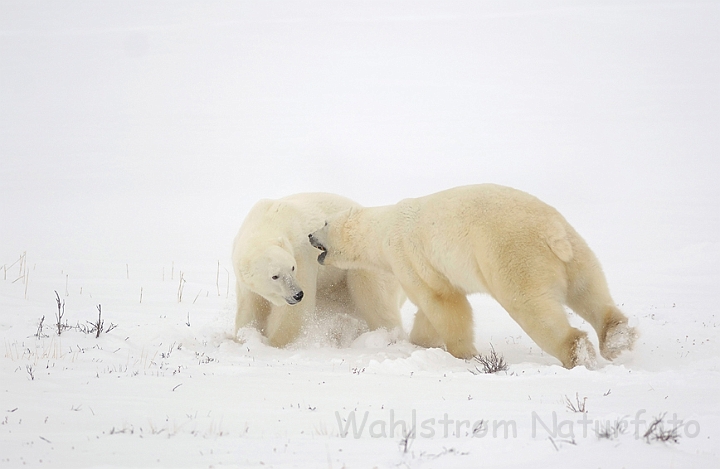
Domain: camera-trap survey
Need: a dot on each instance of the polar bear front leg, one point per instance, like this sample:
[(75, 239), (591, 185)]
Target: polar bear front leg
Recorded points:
[(450, 315), (251, 309), (285, 322), (283, 325), (377, 298), (423, 333)]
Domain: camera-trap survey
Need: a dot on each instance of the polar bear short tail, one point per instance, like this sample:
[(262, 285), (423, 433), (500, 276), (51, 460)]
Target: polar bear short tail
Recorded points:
[(557, 239)]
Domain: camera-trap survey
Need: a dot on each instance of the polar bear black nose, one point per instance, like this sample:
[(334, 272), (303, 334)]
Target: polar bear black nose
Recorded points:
[(298, 296)]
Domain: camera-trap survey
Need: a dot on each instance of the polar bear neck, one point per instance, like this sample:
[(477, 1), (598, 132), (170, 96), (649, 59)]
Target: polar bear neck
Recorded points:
[(364, 236)]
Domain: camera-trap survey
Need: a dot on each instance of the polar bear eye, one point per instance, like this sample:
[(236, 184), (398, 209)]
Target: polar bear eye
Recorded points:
[(275, 277), (293, 269)]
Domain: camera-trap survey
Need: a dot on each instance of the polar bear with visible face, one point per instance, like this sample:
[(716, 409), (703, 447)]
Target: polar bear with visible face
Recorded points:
[(483, 238), (279, 282)]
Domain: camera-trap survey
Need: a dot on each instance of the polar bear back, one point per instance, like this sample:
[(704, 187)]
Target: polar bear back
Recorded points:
[(499, 224), (292, 217)]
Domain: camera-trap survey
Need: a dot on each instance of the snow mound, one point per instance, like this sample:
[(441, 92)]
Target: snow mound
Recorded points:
[(378, 339), (433, 359)]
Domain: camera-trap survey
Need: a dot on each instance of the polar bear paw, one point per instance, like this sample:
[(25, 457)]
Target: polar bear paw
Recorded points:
[(618, 338), (583, 354)]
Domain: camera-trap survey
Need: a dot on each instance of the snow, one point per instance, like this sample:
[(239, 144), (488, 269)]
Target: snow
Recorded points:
[(135, 137)]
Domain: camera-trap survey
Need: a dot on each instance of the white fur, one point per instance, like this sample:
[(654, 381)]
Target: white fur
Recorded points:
[(484, 238), (274, 262)]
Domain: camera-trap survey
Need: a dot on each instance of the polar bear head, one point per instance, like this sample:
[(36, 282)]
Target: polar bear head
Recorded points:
[(319, 240), (335, 241), (271, 273)]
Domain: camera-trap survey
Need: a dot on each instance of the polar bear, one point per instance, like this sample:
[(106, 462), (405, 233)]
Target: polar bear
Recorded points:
[(279, 283), (483, 238)]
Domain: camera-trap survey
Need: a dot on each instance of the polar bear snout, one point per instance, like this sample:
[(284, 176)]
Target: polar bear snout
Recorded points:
[(296, 298), (315, 243), (318, 245), (293, 293)]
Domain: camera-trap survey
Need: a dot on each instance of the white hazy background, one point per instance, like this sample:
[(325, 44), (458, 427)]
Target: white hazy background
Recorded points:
[(147, 130)]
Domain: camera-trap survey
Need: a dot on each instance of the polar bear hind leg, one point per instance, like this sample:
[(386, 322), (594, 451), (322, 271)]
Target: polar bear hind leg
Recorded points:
[(590, 298), (614, 334), (544, 319)]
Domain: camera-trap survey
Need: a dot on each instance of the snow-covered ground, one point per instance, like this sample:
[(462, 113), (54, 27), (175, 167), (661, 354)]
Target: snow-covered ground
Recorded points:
[(134, 137)]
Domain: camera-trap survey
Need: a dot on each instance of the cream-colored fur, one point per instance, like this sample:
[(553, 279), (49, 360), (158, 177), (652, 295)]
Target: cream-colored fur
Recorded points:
[(279, 282), (483, 238)]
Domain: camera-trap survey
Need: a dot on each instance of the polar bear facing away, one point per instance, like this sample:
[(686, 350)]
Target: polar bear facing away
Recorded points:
[(279, 282), (483, 238)]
